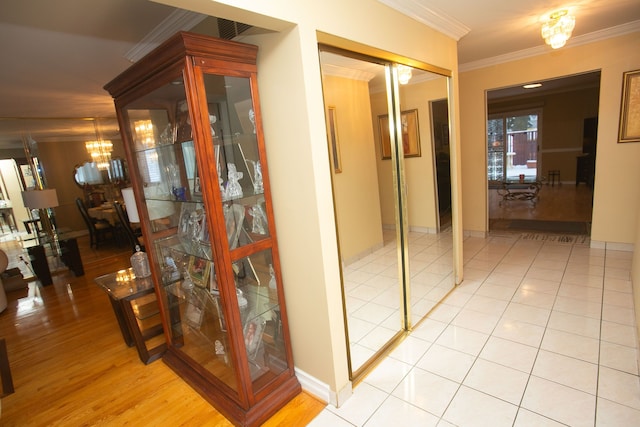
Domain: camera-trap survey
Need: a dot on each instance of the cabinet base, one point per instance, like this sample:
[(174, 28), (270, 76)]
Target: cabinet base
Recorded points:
[(256, 415)]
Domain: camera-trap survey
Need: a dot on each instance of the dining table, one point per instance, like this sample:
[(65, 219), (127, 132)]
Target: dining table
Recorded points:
[(104, 212)]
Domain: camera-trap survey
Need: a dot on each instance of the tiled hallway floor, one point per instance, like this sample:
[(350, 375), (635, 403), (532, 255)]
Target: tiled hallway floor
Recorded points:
[(539, 334)]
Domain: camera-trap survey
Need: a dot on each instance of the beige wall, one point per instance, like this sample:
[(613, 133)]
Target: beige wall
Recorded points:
[(59, 160), (356, 196), (616, 200), (294, 126)]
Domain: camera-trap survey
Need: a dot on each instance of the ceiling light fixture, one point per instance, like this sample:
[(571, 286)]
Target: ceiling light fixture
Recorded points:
[(100, 152), (99, 149), (557, 29), (404, 74), (532, 85)]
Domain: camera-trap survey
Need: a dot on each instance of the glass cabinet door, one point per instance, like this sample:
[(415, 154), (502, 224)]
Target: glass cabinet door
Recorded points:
[(165, 153), (239, 168)]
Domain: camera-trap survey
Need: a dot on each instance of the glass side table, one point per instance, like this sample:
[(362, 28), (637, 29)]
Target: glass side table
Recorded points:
[(136, 308)]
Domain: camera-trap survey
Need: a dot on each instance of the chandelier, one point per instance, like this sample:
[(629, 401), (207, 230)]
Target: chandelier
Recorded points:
[(557, 29), (100, 152)]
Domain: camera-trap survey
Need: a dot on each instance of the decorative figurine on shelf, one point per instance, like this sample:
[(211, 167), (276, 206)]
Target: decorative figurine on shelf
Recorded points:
[(183, 131), (252, 119), (233, 189), (273, 289), (187, 283), (171, 271), (219, 348), (272, 280), (258, 187), (173, 177), (258, 225), (166, 137), (212, 120)]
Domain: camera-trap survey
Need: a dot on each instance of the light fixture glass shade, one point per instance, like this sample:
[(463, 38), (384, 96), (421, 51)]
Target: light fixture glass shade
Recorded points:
[(557, 30), (40, 199), (404, 74)]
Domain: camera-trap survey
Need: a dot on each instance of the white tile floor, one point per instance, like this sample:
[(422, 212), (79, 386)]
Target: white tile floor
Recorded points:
[(541, 333)]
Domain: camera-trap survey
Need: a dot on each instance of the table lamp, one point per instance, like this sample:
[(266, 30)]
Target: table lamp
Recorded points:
[(130, 204), (156, 209), (42, 200)]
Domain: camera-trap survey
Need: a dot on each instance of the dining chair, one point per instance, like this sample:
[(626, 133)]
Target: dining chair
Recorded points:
[(125, 224), (100, 231)]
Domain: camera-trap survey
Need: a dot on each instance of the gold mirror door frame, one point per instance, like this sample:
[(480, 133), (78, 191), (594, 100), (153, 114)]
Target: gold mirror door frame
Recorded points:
[(396, 261)]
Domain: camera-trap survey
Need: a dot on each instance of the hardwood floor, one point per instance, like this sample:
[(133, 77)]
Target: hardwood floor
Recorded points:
[(564, 202), (71, 367)]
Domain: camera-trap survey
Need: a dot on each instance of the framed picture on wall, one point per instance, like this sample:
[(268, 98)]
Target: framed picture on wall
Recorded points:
[(629, 130), (410, 134), (334, 145)]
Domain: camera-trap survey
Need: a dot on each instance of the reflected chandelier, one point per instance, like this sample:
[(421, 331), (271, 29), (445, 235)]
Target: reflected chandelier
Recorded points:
[(557, 29), (100, 152), (404, 74)]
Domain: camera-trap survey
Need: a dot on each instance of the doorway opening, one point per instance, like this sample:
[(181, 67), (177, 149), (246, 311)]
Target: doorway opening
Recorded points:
[(541, 155)]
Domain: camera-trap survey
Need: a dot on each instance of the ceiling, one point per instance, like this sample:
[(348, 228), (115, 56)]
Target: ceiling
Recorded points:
[(57, 55)]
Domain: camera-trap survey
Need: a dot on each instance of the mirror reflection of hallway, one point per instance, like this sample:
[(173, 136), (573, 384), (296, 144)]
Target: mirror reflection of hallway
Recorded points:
[(396, 252)]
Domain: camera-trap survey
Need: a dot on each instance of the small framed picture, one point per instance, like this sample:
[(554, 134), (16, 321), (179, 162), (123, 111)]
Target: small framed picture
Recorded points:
[(410, 134), (629, 130), (194, 312), (223, 323), (213, 282), (253, 336), (199, 270)]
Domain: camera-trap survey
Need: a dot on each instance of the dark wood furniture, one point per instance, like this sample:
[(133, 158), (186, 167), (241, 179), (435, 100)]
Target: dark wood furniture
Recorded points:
[(586, 162), (6, 379), (191, 125), (33, 223), (100, 232), (131, 234), (7, 218), (585, 169), (64, 248), (134, 303)]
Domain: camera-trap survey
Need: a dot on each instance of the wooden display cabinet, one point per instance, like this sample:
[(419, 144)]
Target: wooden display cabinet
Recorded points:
[(190, 120)]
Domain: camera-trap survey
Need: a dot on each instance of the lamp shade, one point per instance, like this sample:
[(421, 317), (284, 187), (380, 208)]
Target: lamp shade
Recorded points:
[(130, 204), (40, 199)]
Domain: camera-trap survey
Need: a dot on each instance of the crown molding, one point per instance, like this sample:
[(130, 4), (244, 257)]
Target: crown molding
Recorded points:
[(595, 36), (348, 73), (431, 17), (178, 20)]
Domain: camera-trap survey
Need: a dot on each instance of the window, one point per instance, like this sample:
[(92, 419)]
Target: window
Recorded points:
[(512, 145)]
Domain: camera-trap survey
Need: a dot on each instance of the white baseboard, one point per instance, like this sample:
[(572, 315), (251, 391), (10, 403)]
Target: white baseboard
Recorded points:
[(322, 391), (612, 246)]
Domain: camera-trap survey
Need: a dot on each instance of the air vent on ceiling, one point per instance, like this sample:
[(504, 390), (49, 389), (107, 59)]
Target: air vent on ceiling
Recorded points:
[(228, 30)]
